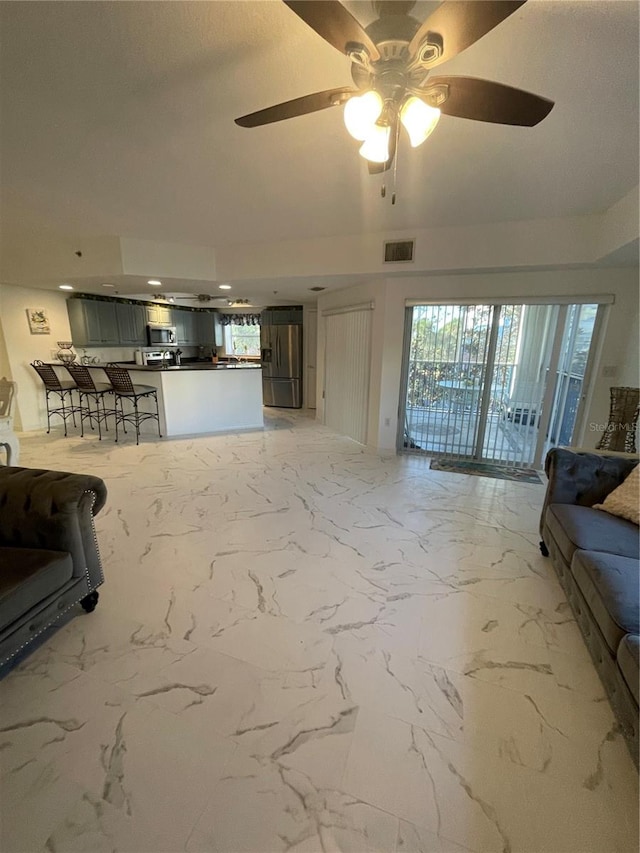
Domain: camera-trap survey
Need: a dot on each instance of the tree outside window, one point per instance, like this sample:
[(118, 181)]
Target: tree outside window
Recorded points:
[(242, 340)]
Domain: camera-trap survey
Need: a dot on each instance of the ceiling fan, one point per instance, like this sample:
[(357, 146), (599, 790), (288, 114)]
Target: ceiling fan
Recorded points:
[(391, 63), (207, 297)]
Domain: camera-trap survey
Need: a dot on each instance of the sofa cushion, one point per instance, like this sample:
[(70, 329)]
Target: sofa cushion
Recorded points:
[(624, 501), (581, 527), (27, 576), (609, 584), (629, 662)]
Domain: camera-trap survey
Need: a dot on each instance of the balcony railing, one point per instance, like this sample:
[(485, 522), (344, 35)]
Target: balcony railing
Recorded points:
[(432, 384)]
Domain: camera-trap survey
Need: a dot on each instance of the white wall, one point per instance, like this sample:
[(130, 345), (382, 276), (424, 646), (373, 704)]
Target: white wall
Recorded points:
[(39, 257), (171, 260), (523, 244), (23, 347), (619, 346), (630, 371)]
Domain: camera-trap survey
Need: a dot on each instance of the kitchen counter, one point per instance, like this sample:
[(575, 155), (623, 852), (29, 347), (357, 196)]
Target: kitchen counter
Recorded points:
[(192, 365), (198, 398), (196, 365)]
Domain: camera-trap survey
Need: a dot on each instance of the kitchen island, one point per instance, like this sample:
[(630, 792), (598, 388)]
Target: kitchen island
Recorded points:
[(196, 398), (201, 398)]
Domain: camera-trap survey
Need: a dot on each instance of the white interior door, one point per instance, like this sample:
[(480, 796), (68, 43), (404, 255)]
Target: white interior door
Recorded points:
[(347, 372)]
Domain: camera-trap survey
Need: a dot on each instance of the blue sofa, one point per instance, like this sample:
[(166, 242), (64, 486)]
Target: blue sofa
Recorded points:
[(596, 556)]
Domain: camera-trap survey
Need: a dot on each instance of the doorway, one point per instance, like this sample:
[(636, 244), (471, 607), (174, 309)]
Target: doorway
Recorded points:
[(496, 383), (347, 370)]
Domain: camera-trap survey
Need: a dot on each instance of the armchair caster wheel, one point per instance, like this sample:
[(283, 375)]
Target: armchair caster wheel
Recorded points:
[(89, 601), (543, 549)]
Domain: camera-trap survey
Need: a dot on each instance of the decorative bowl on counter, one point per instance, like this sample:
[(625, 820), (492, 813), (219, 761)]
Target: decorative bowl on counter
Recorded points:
[(65, 354)]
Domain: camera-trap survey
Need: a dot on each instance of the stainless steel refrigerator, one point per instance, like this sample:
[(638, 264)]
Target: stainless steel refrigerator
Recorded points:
[(281, 354)]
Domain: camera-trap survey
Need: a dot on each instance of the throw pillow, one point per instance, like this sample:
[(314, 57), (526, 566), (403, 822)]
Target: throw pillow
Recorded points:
[(625, 500)]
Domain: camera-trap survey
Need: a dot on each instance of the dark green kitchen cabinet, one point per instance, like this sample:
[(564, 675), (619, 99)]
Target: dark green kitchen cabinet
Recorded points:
[(93, 323), (187, 329), (132, 324), (210, 331)]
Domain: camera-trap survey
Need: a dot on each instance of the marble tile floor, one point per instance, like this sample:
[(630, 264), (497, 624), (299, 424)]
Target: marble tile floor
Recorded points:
[(304, 646)]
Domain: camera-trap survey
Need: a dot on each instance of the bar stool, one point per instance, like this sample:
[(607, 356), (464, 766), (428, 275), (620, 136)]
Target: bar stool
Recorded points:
[(62, 388), (90, 392), (124, 389)]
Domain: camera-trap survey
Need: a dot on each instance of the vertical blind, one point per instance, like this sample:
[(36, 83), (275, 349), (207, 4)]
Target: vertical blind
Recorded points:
[(347, 356)]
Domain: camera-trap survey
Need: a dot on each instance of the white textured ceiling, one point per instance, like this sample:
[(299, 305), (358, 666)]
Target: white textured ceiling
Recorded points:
[(117, 118)]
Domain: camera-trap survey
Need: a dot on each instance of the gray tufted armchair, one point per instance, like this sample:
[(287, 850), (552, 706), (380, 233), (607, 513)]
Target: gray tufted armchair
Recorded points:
[(49, 558)]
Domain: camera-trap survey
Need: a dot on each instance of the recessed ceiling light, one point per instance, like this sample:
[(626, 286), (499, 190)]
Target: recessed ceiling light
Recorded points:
[(224, 287), (108, 285), (65, 286), (154, 282)]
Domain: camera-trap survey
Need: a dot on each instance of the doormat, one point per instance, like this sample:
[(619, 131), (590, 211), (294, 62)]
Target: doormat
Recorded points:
[(486, 469)]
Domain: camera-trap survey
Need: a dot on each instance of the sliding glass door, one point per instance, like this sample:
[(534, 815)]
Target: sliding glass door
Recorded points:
[(494, 382)]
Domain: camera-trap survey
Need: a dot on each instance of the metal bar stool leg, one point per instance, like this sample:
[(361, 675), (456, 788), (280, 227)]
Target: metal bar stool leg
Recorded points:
[(82, 414), (98, 418), (73, 409), (155, 397), (47, 392), (64, 412), (136, 417), (118, 416)]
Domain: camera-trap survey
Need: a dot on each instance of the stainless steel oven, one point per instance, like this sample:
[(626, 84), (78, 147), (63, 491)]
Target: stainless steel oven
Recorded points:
[(161, 336), (154, 358)]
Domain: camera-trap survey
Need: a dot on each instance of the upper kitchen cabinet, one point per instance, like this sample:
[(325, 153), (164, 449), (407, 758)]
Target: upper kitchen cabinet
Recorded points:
[(161, 315), (93, 322), (132, 323), (187, 329), (209, 329), (282, 316)]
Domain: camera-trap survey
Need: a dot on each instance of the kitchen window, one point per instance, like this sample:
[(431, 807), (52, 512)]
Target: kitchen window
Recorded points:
[(242, 340)]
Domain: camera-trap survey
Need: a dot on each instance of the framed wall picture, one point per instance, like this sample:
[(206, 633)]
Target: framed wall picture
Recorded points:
[(38, 321)]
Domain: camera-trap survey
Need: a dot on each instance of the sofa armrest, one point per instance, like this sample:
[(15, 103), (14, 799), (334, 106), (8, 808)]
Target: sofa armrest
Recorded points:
[(582, 478), (53, 510)]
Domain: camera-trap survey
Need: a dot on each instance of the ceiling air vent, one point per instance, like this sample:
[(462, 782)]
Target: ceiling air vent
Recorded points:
[(398, 251)]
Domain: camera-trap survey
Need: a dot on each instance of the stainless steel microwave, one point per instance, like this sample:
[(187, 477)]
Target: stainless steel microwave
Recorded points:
[(161, 335)]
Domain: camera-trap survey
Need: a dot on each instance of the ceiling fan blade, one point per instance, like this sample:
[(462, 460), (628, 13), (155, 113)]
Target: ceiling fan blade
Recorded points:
[(460, 23), (334, 24), (484, 100), (297, 107)]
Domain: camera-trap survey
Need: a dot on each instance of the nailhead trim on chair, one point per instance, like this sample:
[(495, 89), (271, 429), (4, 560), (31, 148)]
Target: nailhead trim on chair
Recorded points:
[(95, 540), (90, 589)]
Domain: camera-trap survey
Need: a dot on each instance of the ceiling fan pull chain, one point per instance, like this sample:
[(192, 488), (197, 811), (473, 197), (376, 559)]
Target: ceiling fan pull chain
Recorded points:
[(395, 162)]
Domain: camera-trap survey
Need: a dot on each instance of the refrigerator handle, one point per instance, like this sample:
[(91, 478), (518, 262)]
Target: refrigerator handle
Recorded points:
[(278, 350)]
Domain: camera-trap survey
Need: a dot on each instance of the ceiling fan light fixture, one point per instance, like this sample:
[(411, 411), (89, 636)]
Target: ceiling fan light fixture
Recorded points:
[(375, 148), (419, 119), (361, 113)]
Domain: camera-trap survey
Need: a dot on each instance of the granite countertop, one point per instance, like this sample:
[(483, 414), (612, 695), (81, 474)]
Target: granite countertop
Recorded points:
[(195, 365), (198, 365)]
